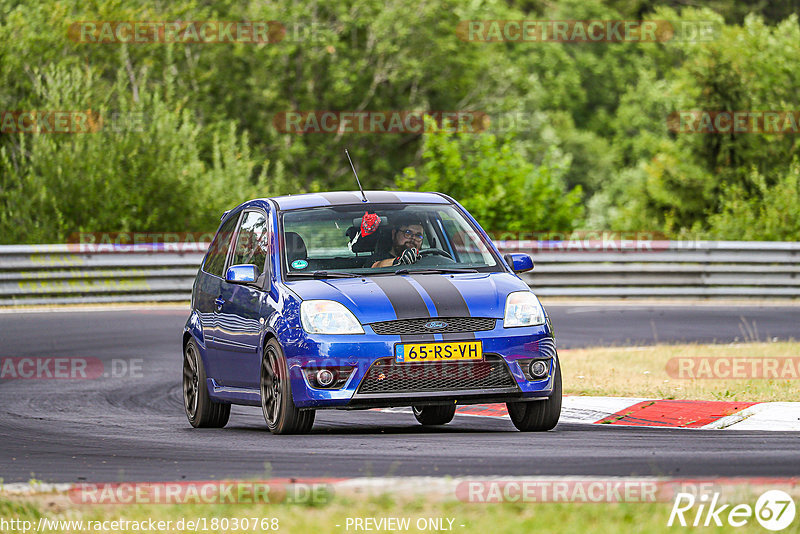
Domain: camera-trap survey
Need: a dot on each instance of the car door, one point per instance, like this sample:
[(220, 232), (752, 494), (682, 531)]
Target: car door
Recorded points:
[(208, 290), (239, 318)]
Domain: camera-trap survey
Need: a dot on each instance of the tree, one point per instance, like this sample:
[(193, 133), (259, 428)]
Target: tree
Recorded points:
[(495, 181)]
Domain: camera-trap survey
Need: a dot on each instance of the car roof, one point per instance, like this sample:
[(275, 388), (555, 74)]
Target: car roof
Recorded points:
[(339, 198)]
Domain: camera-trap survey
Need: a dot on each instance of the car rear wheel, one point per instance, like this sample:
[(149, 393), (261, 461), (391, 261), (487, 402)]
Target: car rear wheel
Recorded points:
[(280, 413), (538, 416), (200, 409), (434, 415)]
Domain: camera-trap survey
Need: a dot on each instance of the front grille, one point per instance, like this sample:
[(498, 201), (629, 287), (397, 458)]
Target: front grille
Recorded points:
[(387, 376), (417, 326)]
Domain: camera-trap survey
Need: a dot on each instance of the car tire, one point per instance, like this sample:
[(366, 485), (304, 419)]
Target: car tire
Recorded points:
[(201, 410), (538, 416), (434, 415), (280, 413)]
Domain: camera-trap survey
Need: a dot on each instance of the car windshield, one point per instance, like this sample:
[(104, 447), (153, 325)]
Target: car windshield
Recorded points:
[(329, 241)]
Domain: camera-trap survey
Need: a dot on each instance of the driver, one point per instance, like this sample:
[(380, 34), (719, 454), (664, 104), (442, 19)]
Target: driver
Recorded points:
[(406, 242)]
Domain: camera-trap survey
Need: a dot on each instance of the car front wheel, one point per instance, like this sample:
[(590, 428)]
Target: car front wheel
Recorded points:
[(282, 416), (538, 416)]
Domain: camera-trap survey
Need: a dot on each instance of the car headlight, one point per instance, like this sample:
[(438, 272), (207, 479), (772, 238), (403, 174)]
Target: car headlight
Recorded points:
[(523, 309), (328, 317)]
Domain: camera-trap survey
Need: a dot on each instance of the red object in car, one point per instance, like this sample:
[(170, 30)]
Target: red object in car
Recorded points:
[(369, 223)]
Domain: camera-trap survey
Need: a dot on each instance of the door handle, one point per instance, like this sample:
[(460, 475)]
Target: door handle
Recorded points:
[(219, 301)]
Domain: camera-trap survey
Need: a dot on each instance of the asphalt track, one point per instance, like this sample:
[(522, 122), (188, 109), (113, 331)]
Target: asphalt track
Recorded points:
[(133, 428)]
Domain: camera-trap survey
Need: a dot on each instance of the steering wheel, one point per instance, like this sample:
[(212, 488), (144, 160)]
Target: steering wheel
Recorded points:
[(435, 252)]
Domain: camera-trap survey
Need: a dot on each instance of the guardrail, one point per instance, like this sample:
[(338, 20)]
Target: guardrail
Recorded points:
[(698, 269), (58, 274), (62, 274)]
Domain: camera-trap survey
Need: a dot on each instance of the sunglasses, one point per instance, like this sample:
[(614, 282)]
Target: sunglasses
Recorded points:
[(409, 233)]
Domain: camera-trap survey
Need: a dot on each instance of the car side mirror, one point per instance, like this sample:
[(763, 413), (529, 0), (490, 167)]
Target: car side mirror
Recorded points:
[(242, 274), (519, 263)]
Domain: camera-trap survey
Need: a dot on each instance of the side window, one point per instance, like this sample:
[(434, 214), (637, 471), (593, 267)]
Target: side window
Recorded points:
[(252, 242), (466, 243), (215, 260)]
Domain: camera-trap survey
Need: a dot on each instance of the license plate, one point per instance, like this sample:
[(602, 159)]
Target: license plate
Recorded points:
[(439, 352)]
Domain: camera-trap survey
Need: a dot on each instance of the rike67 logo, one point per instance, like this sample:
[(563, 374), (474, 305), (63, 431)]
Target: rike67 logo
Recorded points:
[(774, 510)]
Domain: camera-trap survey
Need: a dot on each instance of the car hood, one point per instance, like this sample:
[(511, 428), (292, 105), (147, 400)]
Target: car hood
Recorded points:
[(385, 298)]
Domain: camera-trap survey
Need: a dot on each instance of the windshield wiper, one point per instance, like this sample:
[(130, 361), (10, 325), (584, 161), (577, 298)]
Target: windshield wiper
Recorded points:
[(327, 274), (442, 270)]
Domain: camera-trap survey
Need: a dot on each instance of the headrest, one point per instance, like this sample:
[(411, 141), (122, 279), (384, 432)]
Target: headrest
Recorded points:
[(364, 244)]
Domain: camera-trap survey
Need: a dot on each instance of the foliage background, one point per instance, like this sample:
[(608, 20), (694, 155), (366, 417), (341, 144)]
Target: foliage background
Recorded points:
[(591, 149)]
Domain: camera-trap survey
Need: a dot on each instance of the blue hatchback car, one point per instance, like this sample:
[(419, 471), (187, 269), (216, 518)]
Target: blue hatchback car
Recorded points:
[(351, 301)]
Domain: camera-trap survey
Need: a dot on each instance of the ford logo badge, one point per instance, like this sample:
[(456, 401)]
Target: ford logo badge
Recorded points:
[(435, 325)]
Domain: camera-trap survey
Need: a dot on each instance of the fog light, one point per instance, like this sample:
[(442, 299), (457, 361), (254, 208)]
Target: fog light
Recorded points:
[(325, 378), (538, 369)]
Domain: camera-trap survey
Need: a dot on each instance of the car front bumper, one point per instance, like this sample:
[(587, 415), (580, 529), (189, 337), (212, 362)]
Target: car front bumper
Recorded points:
[(500, 378)]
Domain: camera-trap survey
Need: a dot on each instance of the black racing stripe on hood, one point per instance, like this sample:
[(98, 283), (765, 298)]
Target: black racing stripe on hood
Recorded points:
[(448, 300), (407, 303), (340, 197)]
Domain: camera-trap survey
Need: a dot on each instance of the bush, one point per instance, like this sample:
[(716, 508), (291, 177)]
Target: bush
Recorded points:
[(146, 173), (772, 214)]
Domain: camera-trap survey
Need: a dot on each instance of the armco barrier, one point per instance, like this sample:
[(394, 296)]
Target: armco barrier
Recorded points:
[(61, 274), (699, 269), (57, 274)]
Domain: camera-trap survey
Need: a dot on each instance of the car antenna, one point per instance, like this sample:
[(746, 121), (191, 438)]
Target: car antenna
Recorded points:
[(354, 172)]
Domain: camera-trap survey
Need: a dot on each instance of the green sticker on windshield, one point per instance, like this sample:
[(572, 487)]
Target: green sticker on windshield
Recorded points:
[(299, 264)]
